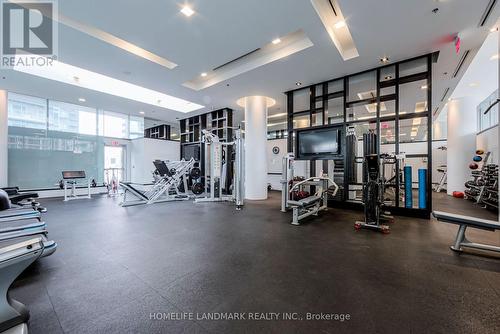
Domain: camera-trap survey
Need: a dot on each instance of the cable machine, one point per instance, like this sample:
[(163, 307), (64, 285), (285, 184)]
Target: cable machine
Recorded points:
[(224, 169)]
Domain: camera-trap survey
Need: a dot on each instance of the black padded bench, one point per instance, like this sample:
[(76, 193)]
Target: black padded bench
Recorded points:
[(305, 202), (464, 222)]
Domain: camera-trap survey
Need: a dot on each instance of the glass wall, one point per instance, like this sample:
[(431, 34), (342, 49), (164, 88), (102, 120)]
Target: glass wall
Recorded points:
[(47, 137), (72, 118), (391, 101)]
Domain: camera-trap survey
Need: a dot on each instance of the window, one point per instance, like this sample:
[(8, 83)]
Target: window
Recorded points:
[(491, 118), (136, 129), (113, 124), (72, 118), (27, 111)]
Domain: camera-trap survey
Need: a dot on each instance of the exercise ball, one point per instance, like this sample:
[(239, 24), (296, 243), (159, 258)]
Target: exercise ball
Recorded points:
[(4, 200), (479, 152), (477, 158), (473, 165)]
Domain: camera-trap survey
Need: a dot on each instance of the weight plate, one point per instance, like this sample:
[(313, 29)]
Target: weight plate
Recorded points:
[(197, 188)]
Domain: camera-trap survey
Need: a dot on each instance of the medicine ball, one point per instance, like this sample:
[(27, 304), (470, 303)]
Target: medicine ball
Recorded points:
[(479, 152), (477, 158), (458, 194), (473, 165), (4, 200)]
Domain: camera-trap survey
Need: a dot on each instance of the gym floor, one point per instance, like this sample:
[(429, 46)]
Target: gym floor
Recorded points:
[(115, 266)]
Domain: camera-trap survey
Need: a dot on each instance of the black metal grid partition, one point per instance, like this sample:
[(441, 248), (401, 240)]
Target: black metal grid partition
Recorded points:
[(394, 101)]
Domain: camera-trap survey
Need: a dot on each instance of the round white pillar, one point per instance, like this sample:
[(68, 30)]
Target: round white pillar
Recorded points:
[(256, 145), (3, 139), (461, 146)]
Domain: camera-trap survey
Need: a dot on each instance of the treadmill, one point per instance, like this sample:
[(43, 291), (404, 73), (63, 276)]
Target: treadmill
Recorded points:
[(15, 256)]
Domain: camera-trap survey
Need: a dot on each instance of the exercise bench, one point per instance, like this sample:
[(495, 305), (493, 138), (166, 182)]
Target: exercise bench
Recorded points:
[(464, 222)]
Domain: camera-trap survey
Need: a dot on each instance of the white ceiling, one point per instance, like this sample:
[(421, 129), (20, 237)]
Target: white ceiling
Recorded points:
[(222, 30), (481, 78)]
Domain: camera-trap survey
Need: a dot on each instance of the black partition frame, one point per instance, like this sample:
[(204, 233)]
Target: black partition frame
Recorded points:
[(391, 82)]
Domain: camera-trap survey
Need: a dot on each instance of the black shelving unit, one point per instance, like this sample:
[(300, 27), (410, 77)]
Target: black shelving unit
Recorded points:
[(220, 122), (158, 132)]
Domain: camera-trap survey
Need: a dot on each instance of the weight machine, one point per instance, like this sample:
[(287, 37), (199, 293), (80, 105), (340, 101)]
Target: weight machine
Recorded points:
[(217, 162), (168, 178), (443, 169), (373, 192), (70, 182), (310, 205)]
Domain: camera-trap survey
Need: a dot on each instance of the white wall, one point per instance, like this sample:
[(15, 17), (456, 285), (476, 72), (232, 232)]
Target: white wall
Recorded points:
[(274, 162), (144, 151), (488, 141), (462, 118)]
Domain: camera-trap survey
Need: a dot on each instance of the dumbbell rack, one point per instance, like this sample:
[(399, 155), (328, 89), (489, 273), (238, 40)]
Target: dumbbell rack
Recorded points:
[(483, 189), (475, 187), (490, 192)]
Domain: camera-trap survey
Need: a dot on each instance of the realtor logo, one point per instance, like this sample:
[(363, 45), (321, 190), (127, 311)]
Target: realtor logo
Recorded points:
[(29, 32)]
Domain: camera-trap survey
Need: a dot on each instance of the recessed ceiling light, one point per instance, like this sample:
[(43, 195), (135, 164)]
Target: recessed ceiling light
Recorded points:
[(388, 77), (340, 24), (473, 84), (449, 99), (104, 84), (276, 41), (186, 10), (298, 83), (141, 112), (384, 60), (424, 87), (204, 74), (494, 29), (495, 57), (81, 99)]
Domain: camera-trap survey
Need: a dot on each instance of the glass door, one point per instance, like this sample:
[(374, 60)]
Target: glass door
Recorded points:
[(114, 163)]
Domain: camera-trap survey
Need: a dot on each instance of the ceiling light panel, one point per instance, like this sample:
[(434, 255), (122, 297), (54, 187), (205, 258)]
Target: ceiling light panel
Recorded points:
[(290, 44), (80, 77), (116, 41), (330, 14), (187, 11)]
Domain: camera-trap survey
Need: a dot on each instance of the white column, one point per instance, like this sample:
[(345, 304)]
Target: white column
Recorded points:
[(256, 145), (461, 147), (3, 139)]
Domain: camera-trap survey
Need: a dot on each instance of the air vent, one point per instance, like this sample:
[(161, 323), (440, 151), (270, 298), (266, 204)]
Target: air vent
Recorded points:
[(445, 93), (487, 13), (290, 44), (460, 63), (236, 59), (333, 8)]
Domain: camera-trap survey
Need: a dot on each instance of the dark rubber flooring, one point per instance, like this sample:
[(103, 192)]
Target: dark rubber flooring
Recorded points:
[(116, 266)]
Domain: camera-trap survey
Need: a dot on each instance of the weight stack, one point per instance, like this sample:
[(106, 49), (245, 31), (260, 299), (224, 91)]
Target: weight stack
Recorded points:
[(369, 143), (351, 151), (369, 147)]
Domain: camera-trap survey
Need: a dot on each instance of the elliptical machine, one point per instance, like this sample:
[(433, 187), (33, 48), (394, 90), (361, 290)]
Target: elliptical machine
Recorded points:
[(373, 197)]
